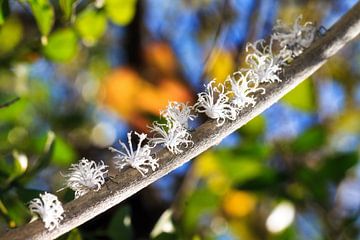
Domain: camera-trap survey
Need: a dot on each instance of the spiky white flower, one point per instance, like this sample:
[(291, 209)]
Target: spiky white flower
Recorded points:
[(172, 135), (214, 102), (264, 66), (178, 113), (49, 209), (139, 159), (296, 37), (86, 176), (243, 89)]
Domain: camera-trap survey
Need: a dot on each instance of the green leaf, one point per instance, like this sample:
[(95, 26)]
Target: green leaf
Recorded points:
[(91, 25), (62, 45), (336, 166), (11, 33), (67, 6), (26, 195), (15, 208), (4, 10), (239, 167), (64, 154), (119, 227), (44, 15), (48, 146), (302, 97), (255, 127), (310, 140), (203, 201), (74, 235), (120, 12)]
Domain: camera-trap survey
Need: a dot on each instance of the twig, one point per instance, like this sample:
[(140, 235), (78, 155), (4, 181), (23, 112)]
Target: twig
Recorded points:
[(130, 181), (6, 104)]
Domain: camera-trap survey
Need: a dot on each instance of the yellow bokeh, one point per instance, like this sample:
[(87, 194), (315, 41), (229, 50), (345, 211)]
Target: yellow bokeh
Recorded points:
[(220, 65), (238, 204)]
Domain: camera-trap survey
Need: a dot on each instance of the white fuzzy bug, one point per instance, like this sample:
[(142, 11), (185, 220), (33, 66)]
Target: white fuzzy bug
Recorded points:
[(214, 102), (294, 38), (172, 135), (264, 66), (86, 176), (243, 90), (178, 113), (139, 159), (49, 208)]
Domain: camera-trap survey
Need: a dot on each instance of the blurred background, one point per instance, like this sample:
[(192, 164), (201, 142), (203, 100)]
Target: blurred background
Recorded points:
[(77, 75)]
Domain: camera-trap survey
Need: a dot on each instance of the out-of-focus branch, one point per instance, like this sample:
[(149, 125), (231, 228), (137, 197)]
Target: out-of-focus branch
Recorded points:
[(8, 103), (207, 135)]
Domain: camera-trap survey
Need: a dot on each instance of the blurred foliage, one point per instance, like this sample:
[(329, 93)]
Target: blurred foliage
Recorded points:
[(86, 72)]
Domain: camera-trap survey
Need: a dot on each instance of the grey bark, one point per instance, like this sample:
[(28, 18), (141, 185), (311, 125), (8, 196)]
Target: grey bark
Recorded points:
[(207, 135)]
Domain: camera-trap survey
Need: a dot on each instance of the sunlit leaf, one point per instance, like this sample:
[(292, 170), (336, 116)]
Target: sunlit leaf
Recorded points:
[(74, 235), (64, 153), (20, 163), (255, 127), (120, 12), (11, 33), (62, 45), (91, 25), (302, 97), (44, 15), (237, 167), (4, 10), (67, 6)]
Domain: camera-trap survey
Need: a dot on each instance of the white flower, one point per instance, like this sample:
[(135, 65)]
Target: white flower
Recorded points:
[(138, 159), (243, 90), (214, 102), (171, 135), (49, 208), (86, 176), (264, 65), (178, 113), (295, 38)]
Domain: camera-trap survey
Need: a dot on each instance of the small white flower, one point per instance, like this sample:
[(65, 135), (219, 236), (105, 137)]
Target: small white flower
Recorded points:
[(138, 159), (214, 102), (264, 65), (171, 135), (86, 176), (243, 90), (295, 38), (178, 113), (49, 208)]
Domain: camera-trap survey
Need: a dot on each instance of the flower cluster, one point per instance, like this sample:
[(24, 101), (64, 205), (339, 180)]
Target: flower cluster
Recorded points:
[(139, 159), (86, 176), (216, 102), (49, 208)]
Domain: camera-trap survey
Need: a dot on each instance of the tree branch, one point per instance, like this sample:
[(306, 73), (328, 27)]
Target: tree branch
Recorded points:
[(207, 135)]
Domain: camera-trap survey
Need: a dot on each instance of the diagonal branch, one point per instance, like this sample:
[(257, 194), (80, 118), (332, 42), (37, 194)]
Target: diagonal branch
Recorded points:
[(207, 135), (8, 103)]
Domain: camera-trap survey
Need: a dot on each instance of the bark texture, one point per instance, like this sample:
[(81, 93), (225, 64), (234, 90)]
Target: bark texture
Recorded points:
[(207, 135)]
